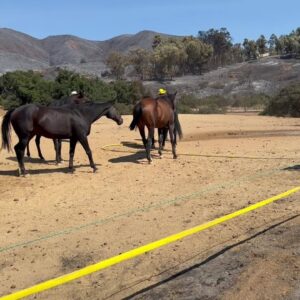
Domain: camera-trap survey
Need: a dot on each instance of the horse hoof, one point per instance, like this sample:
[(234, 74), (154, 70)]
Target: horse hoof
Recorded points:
[(24, 175), (160, 156), (174, 156), (95, 170), (71, 170)]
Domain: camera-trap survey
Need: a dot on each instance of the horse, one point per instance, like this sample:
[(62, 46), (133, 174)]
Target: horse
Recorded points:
[(73, 99), (157, 113), (69, 122)]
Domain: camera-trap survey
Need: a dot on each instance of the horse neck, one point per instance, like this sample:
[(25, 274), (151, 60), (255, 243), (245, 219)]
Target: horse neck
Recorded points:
[(94, 111), (169, 101)]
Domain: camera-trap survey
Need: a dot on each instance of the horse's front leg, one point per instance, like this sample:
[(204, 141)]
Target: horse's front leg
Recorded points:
[(85, 144), (149, 143), (57, 147), (73, 143), (38, 142), (28, 150), (59, 150), (172, 139)]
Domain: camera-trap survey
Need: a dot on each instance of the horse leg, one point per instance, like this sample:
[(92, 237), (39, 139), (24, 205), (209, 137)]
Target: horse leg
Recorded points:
[(160, 140), (149, 143), (153, 143), (28, 150), (165, 133), (73, 143), (171, 132), (56, 148), (20, 150), (142, 133), (37, 142), (85, 144), (59, 150)]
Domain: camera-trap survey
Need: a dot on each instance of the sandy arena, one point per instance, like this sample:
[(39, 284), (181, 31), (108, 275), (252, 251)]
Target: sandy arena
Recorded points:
[(53, 222)]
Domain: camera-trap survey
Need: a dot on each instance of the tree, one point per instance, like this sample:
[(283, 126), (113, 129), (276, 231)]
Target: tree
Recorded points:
[(117, 63), (250, 49), (272, 43), (261, 44), (167, 59), (197, 54), (140, 60), (221, 42)]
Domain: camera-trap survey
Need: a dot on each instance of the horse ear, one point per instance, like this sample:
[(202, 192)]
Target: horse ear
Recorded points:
[(175, 93)]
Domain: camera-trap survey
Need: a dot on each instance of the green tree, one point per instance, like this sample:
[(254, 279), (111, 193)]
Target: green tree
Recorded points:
[(140, 60), (221, 42), (197, 54), (117, 63), (272, 43), (250, 49), (261, 44)]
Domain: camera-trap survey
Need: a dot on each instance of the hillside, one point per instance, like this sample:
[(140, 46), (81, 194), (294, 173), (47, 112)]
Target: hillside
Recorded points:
[(266, 75), (19, 51)]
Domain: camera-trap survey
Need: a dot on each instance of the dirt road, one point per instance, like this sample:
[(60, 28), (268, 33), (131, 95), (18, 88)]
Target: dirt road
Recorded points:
[(53, 222)]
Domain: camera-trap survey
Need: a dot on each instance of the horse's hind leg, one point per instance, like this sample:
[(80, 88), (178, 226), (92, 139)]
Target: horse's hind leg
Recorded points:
[(38, 142), (20, 150), (149, 143), (165, 135), (142, 133), (171, 132), (160, 140), (28, 150), (73, 143)]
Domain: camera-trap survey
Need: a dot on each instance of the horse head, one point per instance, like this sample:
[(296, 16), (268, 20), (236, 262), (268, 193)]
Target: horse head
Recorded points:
[(113, 114)]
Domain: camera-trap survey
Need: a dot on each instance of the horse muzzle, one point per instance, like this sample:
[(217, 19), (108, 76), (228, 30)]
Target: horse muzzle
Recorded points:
[(120, 121)]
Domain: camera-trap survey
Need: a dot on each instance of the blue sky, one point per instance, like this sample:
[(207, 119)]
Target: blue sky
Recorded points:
[(101, 20)]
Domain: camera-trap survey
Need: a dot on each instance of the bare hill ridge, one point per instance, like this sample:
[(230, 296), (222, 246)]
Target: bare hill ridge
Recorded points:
[(18, 50)]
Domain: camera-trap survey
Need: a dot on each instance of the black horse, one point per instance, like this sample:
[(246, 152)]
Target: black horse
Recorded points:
[(70, 122), (157, 113), (73, 99)]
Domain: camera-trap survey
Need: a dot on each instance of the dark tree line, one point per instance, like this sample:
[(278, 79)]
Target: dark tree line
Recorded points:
[(20, 87), (211, 49)]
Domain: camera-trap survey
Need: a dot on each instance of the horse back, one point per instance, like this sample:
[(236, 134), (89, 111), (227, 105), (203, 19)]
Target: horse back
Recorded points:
[(156, 112)]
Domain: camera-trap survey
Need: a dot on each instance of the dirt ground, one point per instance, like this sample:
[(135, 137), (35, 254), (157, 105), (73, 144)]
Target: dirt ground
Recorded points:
[(53, 222)]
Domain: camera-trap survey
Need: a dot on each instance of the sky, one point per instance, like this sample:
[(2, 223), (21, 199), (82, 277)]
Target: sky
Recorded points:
[(100, 20)]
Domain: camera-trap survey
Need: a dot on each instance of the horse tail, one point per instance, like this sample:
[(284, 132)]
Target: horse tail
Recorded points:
[(178, 129), (137, 112), (5, 128)]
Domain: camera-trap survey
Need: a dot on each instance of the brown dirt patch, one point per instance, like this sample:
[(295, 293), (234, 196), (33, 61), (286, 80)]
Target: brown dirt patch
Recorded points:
[(53, 222)]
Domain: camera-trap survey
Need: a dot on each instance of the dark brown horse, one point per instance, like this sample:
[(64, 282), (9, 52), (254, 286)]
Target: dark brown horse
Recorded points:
[(73, 99), (157, 113), (70, 122)]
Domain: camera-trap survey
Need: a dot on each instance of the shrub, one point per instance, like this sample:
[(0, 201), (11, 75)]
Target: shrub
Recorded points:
[(285, 103)]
